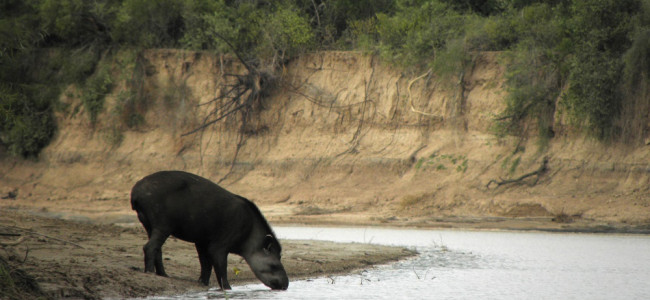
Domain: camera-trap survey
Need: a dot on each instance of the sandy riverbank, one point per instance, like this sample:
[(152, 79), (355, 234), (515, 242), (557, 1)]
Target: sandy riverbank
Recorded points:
[(67, 259)]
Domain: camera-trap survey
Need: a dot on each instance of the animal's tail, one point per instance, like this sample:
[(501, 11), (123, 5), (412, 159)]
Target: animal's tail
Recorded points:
[(134, 205), (141, 216)]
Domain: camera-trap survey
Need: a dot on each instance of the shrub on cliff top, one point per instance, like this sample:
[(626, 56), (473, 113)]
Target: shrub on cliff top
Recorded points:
[(26, 121)]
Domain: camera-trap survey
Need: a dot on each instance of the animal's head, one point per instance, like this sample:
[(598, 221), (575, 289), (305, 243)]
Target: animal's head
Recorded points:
[(265, 263)]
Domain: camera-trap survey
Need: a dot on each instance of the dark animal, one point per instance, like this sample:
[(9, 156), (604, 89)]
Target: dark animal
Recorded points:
[(218, 222)]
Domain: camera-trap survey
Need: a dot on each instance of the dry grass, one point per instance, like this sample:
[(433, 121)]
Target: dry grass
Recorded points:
[(414, 200)]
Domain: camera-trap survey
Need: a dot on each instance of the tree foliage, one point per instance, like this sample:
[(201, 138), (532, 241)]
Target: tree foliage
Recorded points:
[(26, 122), (587, 58)]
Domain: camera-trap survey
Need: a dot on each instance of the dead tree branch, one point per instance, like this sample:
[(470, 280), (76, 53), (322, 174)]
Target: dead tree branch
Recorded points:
[(539, 172)]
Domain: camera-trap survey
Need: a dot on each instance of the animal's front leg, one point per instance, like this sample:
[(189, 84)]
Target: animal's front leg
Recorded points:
[(206, 265), (220, 261)]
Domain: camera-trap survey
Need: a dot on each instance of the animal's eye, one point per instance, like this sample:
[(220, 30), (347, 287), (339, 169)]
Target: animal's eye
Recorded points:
[(275, 268)]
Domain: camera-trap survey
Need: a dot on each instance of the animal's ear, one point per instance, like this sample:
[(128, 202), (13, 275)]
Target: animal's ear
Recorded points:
[(269, 241)]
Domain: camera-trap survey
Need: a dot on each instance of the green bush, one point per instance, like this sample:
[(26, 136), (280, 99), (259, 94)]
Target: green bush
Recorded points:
[(481, 7), (76, 23), (637, 57), (77, 64), (272, 33), (417, 30), (238, 26), (634, 117), (536, 70), (19, 26), (601, 31), (594, 51), (333, 20), (287, 33), (149, 24), (26, 121), (95, 90), (593, 99), (197, 17)]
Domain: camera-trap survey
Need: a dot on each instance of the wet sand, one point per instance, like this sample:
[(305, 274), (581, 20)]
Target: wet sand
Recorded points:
[(68, 259)]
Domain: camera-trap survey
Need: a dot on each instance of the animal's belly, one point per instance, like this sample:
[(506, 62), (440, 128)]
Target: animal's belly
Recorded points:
[(193, 233)]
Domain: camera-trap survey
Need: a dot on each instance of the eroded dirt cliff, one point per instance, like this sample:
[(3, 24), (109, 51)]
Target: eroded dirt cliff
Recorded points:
[(343, 138)]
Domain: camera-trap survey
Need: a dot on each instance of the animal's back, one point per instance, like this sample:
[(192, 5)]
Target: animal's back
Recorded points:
[(160, 185), (188, 206)]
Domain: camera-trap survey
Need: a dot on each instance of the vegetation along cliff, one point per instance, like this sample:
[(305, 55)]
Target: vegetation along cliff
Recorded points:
[(404, 112)]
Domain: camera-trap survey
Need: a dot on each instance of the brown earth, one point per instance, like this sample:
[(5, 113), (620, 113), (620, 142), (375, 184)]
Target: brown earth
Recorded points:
[(343, 139), (70, 259)]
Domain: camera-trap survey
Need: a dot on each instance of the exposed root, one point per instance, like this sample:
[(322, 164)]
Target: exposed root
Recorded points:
[(539, 172), (356, 138), (408, 89), (242, 95)]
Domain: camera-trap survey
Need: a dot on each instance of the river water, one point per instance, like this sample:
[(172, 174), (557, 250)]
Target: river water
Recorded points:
[(455, 264)]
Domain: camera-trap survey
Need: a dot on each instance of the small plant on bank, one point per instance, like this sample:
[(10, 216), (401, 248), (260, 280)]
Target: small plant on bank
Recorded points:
[(565, 218), (95, 90), (442, 162)]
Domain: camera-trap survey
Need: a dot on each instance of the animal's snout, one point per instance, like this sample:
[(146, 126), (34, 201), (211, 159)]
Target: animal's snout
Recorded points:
[(278, 284)]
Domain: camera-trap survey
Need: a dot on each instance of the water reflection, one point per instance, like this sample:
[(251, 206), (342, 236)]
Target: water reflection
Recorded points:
[(474, 265)]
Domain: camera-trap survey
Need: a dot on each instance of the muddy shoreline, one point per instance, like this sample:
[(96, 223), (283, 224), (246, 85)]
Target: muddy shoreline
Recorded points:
[(546, 224), (62, 255), (286, 215), (55, 258)]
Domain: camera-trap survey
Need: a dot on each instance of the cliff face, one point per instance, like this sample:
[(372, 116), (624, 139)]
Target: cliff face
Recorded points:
[(342, 137)]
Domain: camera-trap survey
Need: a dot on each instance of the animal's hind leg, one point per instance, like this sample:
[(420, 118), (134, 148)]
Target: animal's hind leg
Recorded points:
[(145, 223), (153, 253), (206, 263)]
